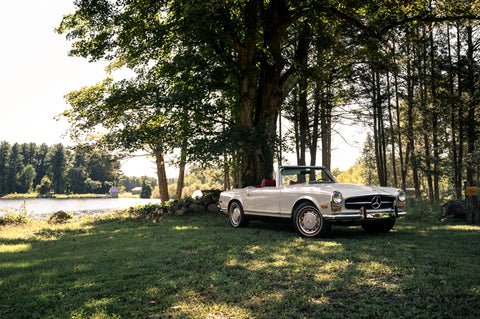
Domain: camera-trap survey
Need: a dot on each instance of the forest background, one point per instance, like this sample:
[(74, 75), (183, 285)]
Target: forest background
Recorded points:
[(214, 93), (45, 170)]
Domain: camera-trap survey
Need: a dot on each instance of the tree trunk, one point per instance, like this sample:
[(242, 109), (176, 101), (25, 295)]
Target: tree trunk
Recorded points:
[(435, 143), (378, 135), (392, 133), (273, 87), (161, 174), (315, 125), (471, 80), (426, 128), (461, 115), (326, 128), (453, 121), (403, 168), (410, 135), (303, 121), (181, 173)]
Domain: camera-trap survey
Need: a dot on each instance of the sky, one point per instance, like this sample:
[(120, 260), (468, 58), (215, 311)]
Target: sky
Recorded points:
[(36, 73)]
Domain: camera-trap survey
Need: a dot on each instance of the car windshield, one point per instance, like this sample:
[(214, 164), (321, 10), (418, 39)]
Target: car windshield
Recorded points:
[(310, 175)]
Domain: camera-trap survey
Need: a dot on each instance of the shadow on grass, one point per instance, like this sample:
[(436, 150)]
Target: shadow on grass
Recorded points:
[(199, 266)]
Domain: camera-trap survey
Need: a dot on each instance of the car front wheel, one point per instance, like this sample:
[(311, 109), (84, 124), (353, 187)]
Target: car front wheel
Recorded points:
[(236, 216), (309, 222)]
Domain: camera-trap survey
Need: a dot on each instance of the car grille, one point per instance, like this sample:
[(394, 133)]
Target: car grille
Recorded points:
[(370, 202)]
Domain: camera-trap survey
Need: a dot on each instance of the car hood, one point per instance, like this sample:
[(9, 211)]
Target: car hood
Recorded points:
[(350, 190)]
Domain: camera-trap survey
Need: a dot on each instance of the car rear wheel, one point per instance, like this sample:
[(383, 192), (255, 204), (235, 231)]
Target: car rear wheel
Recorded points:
[(236, 216), (309, 222), (381, 226)]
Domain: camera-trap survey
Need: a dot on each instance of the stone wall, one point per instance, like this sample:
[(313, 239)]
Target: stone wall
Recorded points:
[(208, 203)]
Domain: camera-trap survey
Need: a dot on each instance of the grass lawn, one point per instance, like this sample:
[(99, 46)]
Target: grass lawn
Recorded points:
[(200, 267)]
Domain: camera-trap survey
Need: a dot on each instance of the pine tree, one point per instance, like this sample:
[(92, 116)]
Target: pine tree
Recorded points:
[(4, 152)]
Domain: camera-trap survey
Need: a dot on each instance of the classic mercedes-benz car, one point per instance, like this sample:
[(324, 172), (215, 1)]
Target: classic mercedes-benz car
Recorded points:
[(313, 200)]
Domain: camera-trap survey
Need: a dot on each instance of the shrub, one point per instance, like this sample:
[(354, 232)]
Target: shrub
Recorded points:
[(418, 209), (146, 190), (45, 186), (15, 217), (59, 217)]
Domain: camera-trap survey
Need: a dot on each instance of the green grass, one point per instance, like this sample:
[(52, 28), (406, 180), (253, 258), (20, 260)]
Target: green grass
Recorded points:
[(200, 267)]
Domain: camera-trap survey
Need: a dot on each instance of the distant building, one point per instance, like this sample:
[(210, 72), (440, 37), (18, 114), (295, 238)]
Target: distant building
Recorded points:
[(136, 190), (113, 192)]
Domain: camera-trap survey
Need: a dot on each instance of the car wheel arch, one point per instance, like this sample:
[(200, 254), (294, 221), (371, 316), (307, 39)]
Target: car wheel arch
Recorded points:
[(300, 202), (233, 200)]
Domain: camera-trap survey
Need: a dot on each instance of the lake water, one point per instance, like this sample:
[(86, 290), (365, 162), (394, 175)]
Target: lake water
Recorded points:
[(40, 208)]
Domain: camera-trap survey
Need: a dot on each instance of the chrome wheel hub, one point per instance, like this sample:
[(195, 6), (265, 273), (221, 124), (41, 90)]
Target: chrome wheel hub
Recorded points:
[(235, 215), (310, 221)]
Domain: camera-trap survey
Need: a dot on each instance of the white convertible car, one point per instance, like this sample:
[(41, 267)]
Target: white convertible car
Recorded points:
[(313, 200)]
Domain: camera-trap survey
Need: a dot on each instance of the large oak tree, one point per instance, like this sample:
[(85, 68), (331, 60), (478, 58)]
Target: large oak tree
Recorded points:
[(255, 43)]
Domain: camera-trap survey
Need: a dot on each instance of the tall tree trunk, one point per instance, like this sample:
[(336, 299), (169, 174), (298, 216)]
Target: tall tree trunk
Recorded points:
[(247, 89), (259, 106), (453, 121), (161, 173), (181, 172), (473, 215), (435, 143), (403, 168), (410, 133), (303, 122), (461, 112), (326, 128), (280, 140), (428, 164), (315, 124), (383, 136), (378, 128), (226, 174), (392, 132), (302, 59), (272, 89), (426, 128)]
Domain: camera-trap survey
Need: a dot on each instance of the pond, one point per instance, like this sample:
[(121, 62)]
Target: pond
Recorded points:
[(40, 208)]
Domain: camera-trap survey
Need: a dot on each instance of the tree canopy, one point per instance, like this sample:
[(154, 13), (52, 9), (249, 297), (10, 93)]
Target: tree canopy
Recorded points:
[(47, 169), (213, 77)]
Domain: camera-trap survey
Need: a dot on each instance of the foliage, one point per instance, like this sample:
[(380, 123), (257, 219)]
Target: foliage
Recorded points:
[(130, 182), (45, 186), (28, 167), (354, 175), (419, 209), (59, 217), (26, 178), (14, 217), (146, 190), (20, 196), (198, 267), (231, 74)]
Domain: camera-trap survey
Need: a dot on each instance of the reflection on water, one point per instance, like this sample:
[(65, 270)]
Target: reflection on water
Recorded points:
[(41, 207)]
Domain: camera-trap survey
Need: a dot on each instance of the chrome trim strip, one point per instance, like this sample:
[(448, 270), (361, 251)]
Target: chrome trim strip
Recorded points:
[(359, 216)]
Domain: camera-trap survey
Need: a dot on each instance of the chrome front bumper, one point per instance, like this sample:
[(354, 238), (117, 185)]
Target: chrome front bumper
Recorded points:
[(364, 215)]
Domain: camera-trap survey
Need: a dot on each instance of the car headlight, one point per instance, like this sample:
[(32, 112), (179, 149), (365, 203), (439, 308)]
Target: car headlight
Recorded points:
[(337, 197), (401, 198), (337, 200)]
